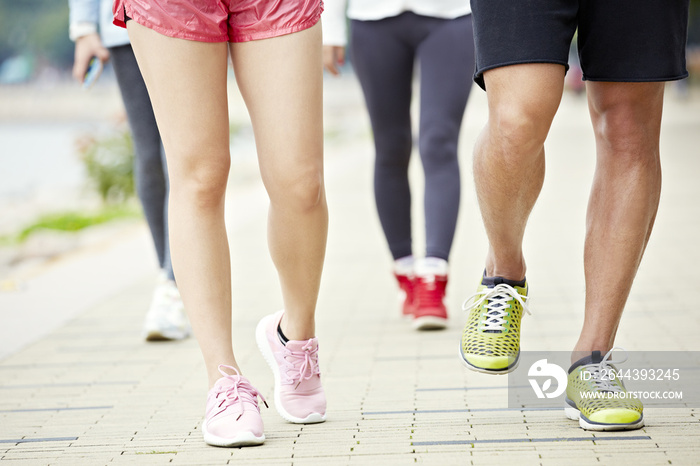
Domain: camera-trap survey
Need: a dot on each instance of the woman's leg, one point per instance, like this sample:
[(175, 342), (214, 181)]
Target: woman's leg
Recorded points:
[(281, 82), (446, 60), (167, 260), (165, 319), (383, 60), (149, 172), (187, 84)]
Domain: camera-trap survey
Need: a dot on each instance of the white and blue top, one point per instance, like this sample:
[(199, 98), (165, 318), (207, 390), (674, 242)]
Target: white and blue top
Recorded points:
[(89, 16)]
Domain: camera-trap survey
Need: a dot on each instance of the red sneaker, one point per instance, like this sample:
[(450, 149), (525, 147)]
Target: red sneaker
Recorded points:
[(406, 294), (429, 311)]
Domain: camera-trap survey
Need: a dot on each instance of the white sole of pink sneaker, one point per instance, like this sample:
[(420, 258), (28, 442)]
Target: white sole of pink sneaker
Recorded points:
[(266, 350), (429, 323), (244, 439)]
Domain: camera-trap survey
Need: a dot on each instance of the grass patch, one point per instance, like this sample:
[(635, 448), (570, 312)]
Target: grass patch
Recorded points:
[(109, 164), (72, 221)]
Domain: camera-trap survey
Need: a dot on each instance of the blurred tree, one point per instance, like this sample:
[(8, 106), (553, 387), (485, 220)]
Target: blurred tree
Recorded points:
[(38, 28)]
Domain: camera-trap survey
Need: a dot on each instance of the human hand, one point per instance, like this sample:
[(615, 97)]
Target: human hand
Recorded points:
[(86, 47), (333, 58)]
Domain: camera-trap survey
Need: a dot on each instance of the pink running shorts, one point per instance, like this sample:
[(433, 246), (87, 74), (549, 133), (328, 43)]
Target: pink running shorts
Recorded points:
[(220, 20)]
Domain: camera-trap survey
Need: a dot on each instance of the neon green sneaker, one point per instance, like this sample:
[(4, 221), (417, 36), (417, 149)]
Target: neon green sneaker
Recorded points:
[(491, 337), (597, 398)]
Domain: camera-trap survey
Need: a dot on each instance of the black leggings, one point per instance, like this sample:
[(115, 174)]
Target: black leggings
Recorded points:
[(150, 170), (383, 55)]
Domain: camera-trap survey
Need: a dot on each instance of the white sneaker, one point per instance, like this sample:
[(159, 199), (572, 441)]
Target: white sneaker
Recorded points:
[(166, 318)]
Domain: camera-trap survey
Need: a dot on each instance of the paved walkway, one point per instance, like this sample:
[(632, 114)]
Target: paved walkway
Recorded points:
[(90, 391)]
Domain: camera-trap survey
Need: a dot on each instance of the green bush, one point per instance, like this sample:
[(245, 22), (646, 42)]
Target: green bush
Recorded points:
[(109, 162)]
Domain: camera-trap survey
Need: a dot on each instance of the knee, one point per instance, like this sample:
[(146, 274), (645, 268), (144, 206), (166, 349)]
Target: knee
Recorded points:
[(297, 190), (518, 129), (200, 179), (438, 146), (148, 172), (627, 120), (622, 131), (393, 148), (207, 184)]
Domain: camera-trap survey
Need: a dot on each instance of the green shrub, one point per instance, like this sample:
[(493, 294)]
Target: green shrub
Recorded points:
[(109, 162)]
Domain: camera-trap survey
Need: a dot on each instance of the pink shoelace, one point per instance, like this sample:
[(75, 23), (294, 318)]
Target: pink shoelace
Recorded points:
[(303, 365), (241, 391)]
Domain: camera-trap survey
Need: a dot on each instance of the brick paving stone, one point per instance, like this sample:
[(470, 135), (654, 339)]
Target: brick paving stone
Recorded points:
[(396, 397)]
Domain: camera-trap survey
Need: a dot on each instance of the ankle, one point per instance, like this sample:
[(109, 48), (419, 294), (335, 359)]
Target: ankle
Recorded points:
[(511, 270), (586, 348), (295, 328)]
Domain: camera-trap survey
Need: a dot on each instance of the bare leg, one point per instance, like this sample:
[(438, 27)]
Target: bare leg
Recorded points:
[(509, 157), (623, 202), (186, 81), (281, 82)]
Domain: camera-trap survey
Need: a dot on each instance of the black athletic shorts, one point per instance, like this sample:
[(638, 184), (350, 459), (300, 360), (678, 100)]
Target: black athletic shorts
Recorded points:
[(618, 40)]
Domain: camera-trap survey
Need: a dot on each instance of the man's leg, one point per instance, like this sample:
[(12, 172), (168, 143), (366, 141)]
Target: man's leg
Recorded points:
[(621, 210), (623, 202), (508, 173), (626, 51), (509, 157)]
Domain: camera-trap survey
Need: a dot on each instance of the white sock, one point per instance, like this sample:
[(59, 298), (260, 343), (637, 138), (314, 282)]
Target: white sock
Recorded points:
[(431, 266), (404, 265)]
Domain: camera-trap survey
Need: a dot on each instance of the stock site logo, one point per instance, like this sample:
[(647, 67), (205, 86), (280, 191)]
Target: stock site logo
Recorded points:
[(542, 369)]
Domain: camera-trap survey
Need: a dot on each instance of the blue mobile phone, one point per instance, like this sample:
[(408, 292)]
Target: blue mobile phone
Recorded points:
[(93, 72)]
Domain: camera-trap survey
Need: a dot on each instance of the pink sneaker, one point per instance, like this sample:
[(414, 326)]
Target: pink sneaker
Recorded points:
[(406, 286), (233, 418), (299, 396), (430, 284)]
